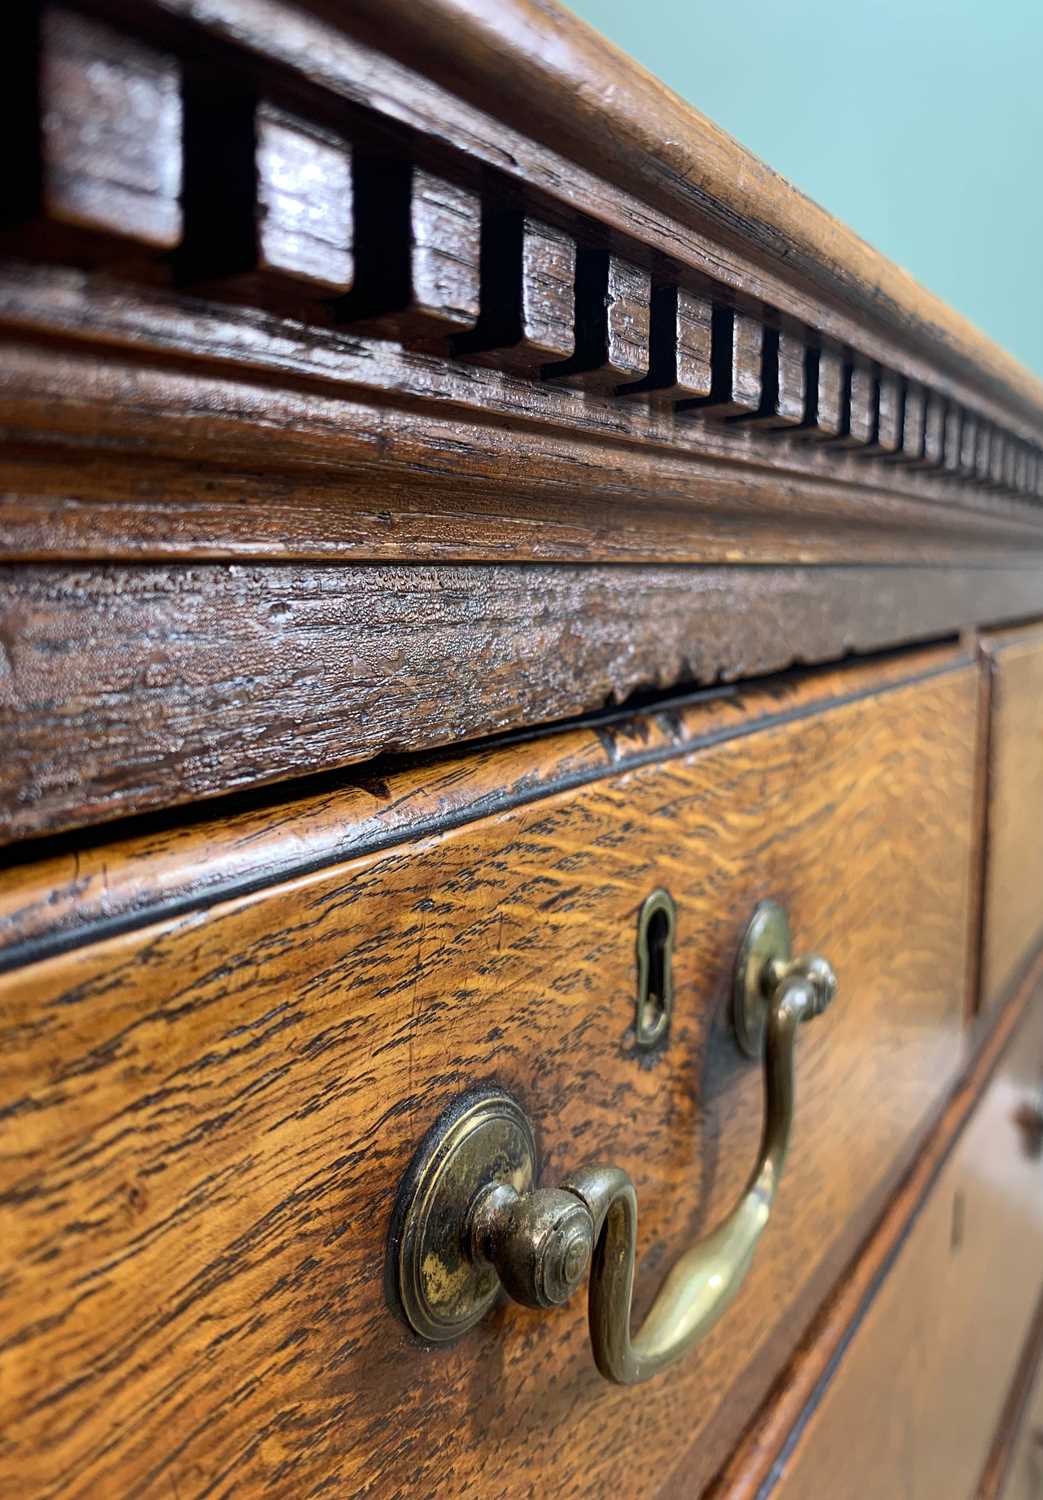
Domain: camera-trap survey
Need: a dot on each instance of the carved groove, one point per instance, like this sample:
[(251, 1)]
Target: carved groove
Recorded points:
[(258, 200)]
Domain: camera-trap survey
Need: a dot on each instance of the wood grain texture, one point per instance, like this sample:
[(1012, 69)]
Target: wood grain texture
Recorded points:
[(612, 324), (783, 402), (913, 1405), (128, 688), (219, 1108), (824, 388), (679, 355), (107, 157), (1014, 1467), (240, 228), (324, 57), (304, 196), (1014, 851), (408, 124), (571, 88), (268, 199), (403, 417), (417, 255), (88, 890), (152, 495), (858, 412), (736, 353), (750, 1468), (1026, 1473), (528, 308)]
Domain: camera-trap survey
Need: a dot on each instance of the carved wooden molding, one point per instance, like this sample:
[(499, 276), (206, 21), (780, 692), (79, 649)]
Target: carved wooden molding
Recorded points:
[(294, 171), (341, 417)]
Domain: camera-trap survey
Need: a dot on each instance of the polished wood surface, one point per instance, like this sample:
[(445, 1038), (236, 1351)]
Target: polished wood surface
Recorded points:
[(133, 688), (633, 130), (94, 884), (751, 1467), (279, 442), (217, 1108), (1013, 916), (371, 267), (1013, 1467), (913, 1405), (1024, 1478), (384, 386), (340, 396)]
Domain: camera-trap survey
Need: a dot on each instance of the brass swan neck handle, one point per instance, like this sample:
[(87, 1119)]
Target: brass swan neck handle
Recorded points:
[(469, 1220)]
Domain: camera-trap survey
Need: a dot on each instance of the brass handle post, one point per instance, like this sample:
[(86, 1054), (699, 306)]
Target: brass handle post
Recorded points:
[(471, 1221)]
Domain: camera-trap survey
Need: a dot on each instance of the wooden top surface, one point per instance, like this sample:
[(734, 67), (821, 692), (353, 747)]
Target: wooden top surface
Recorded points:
[(559, 80)]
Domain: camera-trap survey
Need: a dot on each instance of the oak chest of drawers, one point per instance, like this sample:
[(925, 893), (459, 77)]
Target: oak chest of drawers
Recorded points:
[(507, 612)]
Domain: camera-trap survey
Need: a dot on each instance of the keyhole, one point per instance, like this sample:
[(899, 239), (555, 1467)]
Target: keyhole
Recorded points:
[(655, 987)]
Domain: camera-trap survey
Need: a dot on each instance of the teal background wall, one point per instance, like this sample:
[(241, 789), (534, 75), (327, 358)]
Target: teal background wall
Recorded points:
[(917, 122)]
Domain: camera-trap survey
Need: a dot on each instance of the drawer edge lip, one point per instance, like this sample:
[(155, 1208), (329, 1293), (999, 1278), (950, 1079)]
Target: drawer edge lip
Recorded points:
[(249, 683), (66, 918), (1030, 1364), (758, 1462)]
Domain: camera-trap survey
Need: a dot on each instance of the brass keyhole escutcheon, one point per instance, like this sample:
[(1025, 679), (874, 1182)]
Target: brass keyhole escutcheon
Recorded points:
[(470, 1220), (656, 923)]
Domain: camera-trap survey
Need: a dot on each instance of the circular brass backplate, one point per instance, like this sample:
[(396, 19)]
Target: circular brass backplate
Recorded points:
[(767, 937), (481, 1140)]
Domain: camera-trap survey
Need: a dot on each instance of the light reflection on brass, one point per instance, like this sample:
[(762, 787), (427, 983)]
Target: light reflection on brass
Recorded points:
[(468, 1220), (655, 983)]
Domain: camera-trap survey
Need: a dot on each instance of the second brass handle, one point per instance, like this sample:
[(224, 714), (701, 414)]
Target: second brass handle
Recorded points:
[(469, 1219)]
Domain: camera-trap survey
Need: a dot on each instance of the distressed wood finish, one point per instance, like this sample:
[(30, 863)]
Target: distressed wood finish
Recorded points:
[(681, 334), (750, 1469), (315, 465), (1014, 1467), (1024, 1475), (381, 378), (612, 324), (528, 273), (90, 888), (913, 1405), (418, 255), (268, 200), (736, 360), (135, 688), (98, 151), (219, 1107), (1013, 915), (627, 126), (340, 219)]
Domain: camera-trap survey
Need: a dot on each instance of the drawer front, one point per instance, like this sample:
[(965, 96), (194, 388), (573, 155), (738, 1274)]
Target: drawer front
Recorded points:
[(208, 1120), (1014, 871), (1024, 1477), (913, 1407)]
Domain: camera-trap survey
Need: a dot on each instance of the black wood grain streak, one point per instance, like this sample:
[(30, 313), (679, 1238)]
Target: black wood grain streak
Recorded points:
[(216, 1111), (263, 859), (129, 688)]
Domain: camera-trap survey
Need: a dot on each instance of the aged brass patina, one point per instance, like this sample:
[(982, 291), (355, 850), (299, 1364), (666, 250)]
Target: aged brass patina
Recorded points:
[(482, 1142), (469, 1221), (655, 975)]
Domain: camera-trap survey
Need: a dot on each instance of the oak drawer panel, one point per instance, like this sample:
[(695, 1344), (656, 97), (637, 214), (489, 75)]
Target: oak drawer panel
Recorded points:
[(913, 1406), (207, 1119), (1014, 871), (1024, 1477)]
